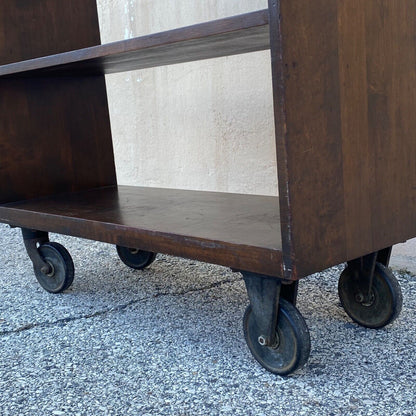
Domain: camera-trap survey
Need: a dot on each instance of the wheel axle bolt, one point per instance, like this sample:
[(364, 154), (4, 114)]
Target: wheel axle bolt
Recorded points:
[(45, 269), (262, 340), (359, 297)]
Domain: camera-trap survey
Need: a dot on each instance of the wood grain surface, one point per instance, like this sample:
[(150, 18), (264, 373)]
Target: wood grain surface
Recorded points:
[(33, 28), (234, 35), (54, 133), (240, 231), (344, 86), (348, 75)]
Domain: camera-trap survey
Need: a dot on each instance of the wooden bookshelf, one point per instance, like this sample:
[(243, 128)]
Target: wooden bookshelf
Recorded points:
[(344, 104)]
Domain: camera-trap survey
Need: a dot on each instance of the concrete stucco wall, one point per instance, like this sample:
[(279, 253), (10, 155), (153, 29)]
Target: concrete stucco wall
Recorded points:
[(204, 125)]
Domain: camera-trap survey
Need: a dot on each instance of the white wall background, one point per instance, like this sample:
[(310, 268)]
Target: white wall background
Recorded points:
[(205, 125)]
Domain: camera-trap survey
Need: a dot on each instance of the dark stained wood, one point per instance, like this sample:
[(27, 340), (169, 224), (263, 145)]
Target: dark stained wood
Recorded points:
[(234, 35), (390, 33), (33, 28), (54, 133), (54, 137), (359, 168), (311, 134), (344, 86), (281, 137), (239, 231), (348, 128)]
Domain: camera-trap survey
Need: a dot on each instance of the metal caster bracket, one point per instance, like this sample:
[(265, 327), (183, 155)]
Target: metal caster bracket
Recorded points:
[(363, 269), (383, 256), (264, 295), (32, 240), (289, 291), (274, 329)]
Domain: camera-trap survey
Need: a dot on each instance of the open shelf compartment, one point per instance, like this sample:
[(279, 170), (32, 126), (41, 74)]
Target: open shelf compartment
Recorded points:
[(223, 37), (239, 231)]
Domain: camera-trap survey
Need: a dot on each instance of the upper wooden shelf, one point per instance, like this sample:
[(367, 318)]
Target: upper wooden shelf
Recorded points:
[(230, 36)]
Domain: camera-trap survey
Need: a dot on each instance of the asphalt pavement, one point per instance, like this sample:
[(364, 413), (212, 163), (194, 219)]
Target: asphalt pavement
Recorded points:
[(169, 341)]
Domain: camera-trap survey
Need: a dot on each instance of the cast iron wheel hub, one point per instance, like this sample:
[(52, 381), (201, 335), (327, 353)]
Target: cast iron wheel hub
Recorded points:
[(292, 347), (135, 258), (380, 307), (365, 300), (60, 273), (51, 271)]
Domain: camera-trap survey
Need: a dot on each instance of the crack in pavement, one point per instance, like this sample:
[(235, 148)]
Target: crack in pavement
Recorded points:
[(117, 308)]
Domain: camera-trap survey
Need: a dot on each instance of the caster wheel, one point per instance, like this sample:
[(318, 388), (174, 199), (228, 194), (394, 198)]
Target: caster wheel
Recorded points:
[(293, 342), (61, 273), (385, 301), (135, 258)]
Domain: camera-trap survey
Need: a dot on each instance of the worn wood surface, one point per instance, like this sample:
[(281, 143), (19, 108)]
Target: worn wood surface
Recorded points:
[(281, 137), (54, 133), (240, 231), (348, 75), (234, 35)]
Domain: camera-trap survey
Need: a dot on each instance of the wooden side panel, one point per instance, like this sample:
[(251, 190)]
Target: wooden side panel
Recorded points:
[(348, 76), (391, 78), (54, 132), (359, 166), (34, 28), (54, 137)]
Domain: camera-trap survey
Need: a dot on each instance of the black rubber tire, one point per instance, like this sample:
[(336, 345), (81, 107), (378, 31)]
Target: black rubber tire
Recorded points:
[(293, 349), (385, 305), (135, 258), (62, 274)]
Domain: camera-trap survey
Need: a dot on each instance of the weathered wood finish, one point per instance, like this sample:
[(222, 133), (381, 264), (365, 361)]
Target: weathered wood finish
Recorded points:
[(230, 36), (347, 127), (240, 231), (54, 133), (281, 137)]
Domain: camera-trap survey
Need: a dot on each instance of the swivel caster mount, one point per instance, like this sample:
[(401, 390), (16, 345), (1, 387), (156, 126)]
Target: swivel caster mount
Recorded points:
[(274, 329), (135, 258), (291, 346), (52, 263), (369, 293)]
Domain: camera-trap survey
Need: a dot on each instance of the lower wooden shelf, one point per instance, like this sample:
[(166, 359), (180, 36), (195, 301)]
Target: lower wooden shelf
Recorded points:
[(234, 230)]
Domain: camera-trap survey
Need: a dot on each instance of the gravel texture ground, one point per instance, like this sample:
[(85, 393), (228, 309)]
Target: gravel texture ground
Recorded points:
[(169, 341), (404, 256)]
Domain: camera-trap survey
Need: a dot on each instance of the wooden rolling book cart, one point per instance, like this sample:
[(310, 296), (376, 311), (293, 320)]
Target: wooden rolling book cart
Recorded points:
[(344, 88)]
